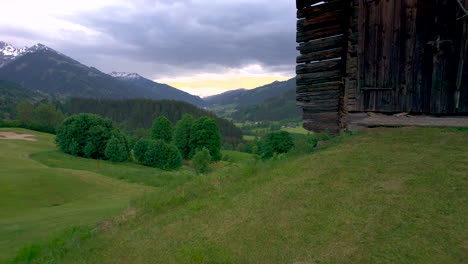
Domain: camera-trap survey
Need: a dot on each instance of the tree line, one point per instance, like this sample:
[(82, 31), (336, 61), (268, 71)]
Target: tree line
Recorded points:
[(137, 115), (91, 136), (133, 116)]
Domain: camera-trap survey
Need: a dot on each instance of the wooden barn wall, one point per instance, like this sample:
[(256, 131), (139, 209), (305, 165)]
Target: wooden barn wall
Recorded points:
[(387, 56), (408, 57), (321, 37)]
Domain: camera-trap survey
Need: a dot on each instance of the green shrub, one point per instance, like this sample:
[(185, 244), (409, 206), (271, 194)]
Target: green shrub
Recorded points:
[(205, 134), (139, 150), (162, 155), (57, 248), (227, 158), (306, 144), (276, 142), (201, 161), (162, 129), (116, 150), (86, 135), (182, 135)]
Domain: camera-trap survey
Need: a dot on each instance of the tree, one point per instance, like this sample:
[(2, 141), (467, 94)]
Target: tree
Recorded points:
[(182, 135), (276, 142), (84, 135), (116, 150), (162, 129), (205, 134), (25, 111), (96, 141), (139, 150), (201, 161), (47, 115), (162, 155)]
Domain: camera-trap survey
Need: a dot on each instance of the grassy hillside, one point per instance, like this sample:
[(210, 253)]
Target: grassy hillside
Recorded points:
[(38, 202), (383, 196)]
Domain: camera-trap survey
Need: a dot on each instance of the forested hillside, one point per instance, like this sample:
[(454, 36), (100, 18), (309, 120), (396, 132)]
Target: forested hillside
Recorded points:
[(271, 102), (131, 114), (224, 98), (254, 96), (11, 94), (278, 108), (160, 91)]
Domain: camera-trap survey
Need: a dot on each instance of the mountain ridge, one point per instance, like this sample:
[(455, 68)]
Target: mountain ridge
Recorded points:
[(42, 68)]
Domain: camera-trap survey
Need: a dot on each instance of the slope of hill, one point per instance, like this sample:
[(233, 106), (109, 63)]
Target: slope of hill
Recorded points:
[(277, 108), (42, 68), (254, 96), (250, 105), (38, 202), (157, 90), (224, 98), (384, 196), (11, 94)]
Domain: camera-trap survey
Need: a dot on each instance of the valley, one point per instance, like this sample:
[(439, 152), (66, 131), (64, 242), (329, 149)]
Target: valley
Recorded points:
[(338, 134), (354, 188)]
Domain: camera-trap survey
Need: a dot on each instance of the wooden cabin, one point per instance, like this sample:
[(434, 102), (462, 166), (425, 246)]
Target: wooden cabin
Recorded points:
[(387, 56)]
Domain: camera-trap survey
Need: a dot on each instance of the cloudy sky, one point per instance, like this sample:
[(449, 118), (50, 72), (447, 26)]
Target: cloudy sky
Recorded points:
[(201, 46)]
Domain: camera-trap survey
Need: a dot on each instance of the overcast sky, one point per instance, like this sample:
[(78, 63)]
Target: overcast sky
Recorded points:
[(201, 46)]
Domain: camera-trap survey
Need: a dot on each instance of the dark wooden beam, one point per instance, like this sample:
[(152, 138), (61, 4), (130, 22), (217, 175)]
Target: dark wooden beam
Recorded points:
[(318, 67), (318, 77), (321, 44), (320, 55), (322, 32)]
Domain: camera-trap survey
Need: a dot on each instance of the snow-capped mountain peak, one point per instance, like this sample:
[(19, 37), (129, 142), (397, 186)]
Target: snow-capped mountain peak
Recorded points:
[(125, 75), (9, 52), (7, 49), (38, 47)]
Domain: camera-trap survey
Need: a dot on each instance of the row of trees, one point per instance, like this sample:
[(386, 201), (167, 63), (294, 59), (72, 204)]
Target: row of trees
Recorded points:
[(272, 144), (172, 144), (137, 115), (91, 136)]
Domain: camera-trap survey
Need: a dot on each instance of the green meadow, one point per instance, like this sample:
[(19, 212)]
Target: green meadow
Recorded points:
[(39, 202), (386, 195), (382, 196)]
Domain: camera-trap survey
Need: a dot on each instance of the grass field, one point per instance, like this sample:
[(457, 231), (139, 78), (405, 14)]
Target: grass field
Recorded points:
[(238, 157), (383, 196), (248, 138), (297, 130), (38, 202)]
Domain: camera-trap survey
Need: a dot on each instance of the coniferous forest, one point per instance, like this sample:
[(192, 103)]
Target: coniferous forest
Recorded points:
[(138, 114)]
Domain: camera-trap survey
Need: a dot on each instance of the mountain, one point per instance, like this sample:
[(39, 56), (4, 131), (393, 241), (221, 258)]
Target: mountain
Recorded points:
[(271, 102), (8, 52), (11, 94), (254, 96), (42, 68), (273, 109), (159, 90), (223, 98)]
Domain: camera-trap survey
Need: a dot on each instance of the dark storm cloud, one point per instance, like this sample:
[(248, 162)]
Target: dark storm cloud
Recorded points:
[(191, 35)]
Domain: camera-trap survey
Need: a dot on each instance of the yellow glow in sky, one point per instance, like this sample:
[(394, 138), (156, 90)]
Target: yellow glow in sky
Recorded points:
[(205, 87)]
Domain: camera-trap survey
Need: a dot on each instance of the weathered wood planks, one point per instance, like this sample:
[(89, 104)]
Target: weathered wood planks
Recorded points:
[(382, 56), (320, 34)]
